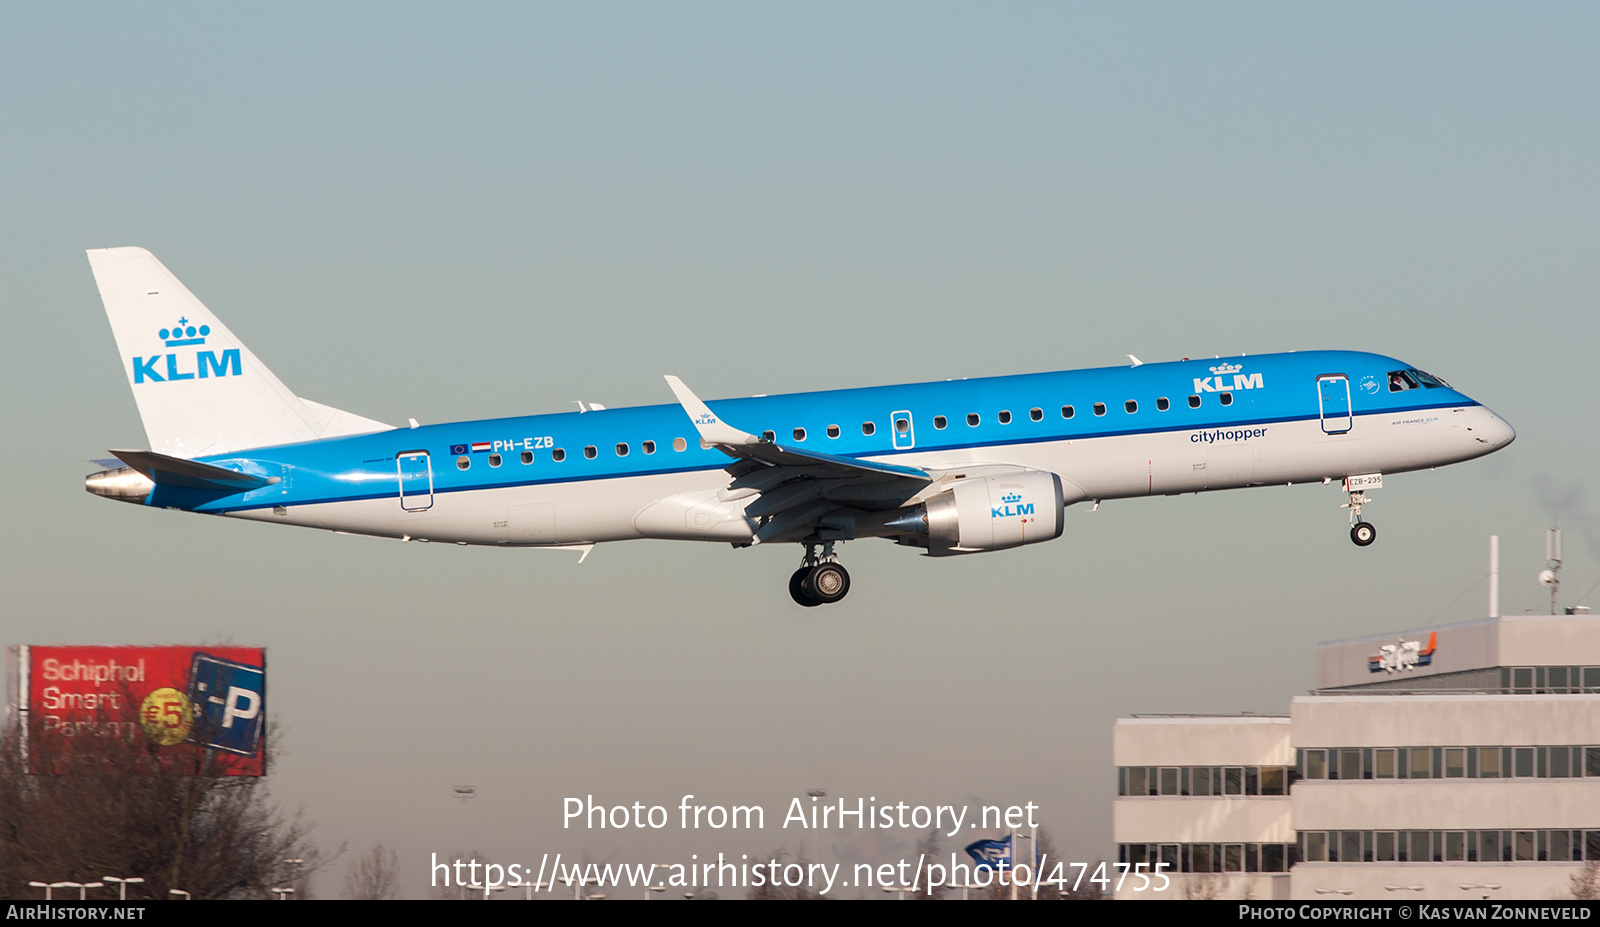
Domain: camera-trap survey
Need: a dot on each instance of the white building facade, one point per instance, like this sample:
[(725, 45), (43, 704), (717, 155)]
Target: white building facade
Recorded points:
[(1459, 762)]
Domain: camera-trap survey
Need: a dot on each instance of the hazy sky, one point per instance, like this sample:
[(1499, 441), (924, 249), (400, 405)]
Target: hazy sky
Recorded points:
[(467, 211)]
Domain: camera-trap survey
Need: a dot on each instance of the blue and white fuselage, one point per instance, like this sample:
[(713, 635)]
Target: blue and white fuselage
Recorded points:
[(949, 467)]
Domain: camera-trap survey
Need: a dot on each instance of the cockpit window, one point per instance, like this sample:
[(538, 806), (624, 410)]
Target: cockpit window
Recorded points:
[(1428, 380), (1400, 380)]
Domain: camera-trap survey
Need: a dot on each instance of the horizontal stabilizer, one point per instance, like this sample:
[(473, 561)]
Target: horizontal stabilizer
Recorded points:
[(178, 473)]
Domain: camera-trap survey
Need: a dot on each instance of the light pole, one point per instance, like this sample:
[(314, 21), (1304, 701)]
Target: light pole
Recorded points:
[(282, 893), (531, 887), (466, 793), (43, 885), (902, 892), (122, 885), (1487, 887), (294, 863), (653, 888), (179, 891), (1334, 891)]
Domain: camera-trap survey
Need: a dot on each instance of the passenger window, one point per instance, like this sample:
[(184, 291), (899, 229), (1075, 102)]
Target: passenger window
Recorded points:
[(678, 444), (1036, 414), (868, 428), (1400, 381), (972, 419), (463, 463), (1099, 408), (494, 460), (799, 434), (527, 457), (622, 450), (1067, 412), (939, 422), (1131, 406), (902, 425), (649, 447), (833, 431), (1225, 398), (559, 454), (1162, 404), (1005, 417), (769, 436), (1194, 402), (590, 452)]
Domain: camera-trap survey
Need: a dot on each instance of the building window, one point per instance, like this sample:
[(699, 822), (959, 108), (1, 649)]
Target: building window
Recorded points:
[(1421, 763), (1169, 780), (1383, 763)]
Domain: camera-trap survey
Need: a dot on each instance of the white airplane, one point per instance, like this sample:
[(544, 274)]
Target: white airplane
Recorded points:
[(953, 467)]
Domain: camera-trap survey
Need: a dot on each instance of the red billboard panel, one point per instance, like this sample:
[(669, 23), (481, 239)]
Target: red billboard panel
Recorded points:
[(197, 710)]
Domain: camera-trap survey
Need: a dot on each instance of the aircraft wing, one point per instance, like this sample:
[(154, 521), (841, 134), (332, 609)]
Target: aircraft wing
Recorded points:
[(796, 485)]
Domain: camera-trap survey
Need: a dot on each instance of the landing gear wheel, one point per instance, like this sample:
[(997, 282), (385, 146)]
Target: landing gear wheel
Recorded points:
[(798, 590), (1363, 533), (828, 582)]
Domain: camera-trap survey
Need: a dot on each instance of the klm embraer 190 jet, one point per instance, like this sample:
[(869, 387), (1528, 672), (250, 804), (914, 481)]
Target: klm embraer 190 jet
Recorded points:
[(954, 467)]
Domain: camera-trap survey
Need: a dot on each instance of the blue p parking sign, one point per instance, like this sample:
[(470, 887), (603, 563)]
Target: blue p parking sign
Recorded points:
[(230, 700)]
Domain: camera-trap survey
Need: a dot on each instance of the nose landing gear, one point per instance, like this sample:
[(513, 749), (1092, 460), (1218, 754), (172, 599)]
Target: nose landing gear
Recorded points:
[(820, 580), (1361, 532)]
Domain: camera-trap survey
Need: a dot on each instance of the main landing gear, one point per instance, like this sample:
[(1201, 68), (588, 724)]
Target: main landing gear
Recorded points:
[(820, 580), (1361, 532)]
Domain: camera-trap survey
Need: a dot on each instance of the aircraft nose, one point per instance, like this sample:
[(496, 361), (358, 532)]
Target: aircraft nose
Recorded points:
[(1497, 432)]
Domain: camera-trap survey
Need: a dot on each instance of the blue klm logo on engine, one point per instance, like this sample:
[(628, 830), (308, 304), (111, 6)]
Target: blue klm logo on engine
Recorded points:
[(1011, 505), (228, 699), (206, 363)]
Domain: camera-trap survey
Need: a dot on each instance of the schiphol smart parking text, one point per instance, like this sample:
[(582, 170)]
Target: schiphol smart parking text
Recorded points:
[(809, 813)]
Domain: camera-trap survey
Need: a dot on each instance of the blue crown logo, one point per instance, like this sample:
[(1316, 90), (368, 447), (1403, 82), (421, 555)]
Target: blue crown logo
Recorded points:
[(1011, 497), (183, 333)]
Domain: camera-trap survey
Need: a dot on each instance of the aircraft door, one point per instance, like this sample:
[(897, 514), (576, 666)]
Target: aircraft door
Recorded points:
[(416, 480), (1333, 400), (905, 434)]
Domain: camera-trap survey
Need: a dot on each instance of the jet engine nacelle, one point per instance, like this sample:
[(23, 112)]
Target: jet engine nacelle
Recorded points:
[(988, 513)]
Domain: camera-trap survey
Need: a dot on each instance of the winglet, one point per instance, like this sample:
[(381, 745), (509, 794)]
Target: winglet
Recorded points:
[(711, 428)]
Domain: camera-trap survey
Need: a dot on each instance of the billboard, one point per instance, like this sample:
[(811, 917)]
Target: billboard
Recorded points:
[(196, 710)]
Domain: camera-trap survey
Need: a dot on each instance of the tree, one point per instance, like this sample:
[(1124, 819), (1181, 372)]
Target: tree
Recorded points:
[(1586, 882), (92, 805), (374, 877)]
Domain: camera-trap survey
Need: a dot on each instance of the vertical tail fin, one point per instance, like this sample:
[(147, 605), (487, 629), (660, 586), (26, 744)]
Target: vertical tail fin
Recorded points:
[(200, 391)]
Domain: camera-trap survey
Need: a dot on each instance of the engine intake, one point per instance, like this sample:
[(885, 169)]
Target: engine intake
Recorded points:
[(987, 513)]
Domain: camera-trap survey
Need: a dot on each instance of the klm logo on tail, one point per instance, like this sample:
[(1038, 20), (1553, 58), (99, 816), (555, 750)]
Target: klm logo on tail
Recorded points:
[(1219, 382), (164, 368)]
